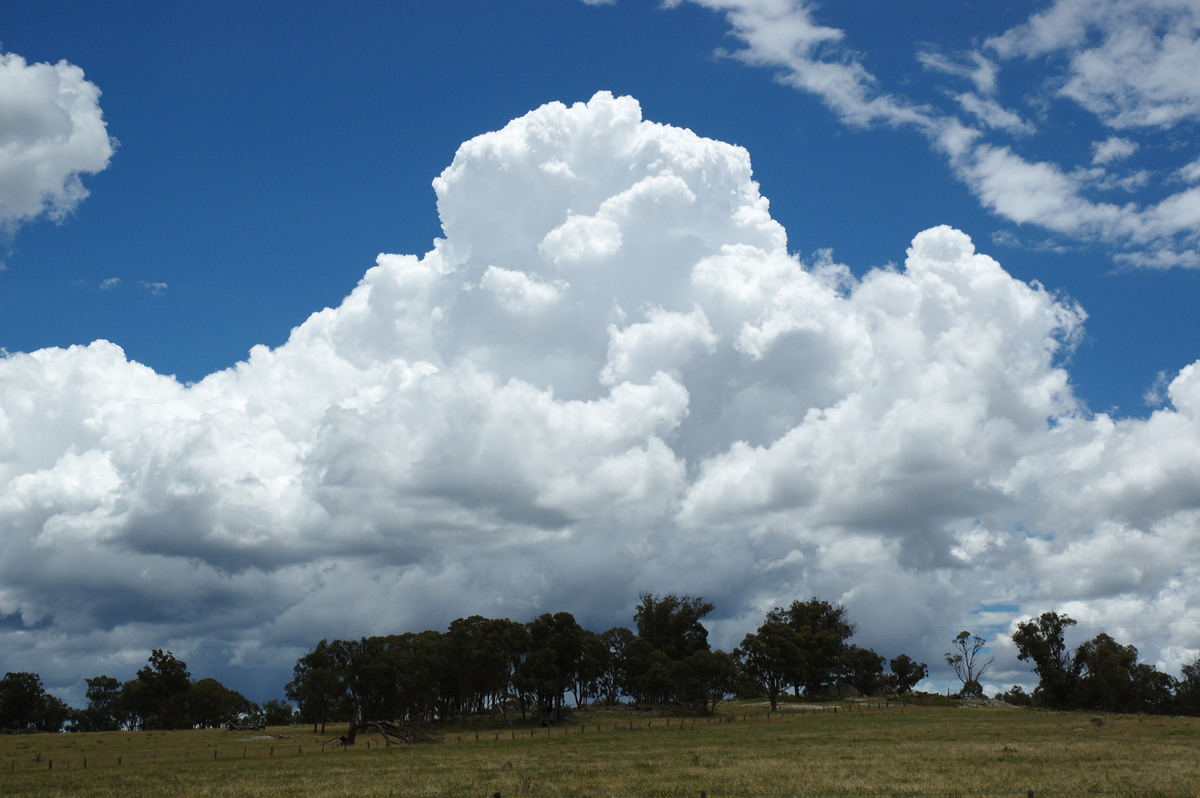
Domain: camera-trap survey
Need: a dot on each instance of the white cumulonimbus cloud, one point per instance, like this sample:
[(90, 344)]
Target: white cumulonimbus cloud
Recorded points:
[(51, 131), (609, 376)]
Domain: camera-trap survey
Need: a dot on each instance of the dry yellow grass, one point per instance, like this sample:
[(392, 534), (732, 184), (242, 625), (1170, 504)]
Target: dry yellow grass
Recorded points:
[(913, 751)]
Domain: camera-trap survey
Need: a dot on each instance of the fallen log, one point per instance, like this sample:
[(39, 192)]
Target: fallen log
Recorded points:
[(393, 733)]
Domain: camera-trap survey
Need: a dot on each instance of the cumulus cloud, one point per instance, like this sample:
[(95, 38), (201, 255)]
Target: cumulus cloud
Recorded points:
[(609, 376), (51, 132), (1113, 148)]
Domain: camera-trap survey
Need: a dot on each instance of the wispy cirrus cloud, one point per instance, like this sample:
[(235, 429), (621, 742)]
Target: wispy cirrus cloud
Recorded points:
[(1126, 62)]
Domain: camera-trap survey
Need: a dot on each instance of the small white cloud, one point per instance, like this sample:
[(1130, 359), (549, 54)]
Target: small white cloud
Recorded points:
[(109, 283), (982, 71), (1191, 172), (52, 131), (155, 288), (994, 115), (1113, 148)]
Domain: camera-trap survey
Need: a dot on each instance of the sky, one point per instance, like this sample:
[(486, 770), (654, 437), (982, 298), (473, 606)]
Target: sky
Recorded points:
[(328, 322)]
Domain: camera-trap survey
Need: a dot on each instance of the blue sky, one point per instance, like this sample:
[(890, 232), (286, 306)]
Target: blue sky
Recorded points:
[(273, 150), (265, 154)]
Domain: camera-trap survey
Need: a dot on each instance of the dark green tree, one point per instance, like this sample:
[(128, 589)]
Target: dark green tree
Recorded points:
[(705, 678), (166, 683), (420, 668), (615, 677), (907, 672), (555, 655), (103, 711), (1187, 692), (589, 675), (821, 630), (509, 643), (862, 669), (770, 657), (649, 677), (1042, 641), (672, 624), (25, 704), (315, 687), (1112, 679), (1016, 696), (212, 705), (277, 712)]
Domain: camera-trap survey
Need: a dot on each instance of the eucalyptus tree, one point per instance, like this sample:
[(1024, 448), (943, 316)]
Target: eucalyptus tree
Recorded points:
[(770, 657), (165, 683), (315, 687), (1042, 641), (966, 659), (820, 631)]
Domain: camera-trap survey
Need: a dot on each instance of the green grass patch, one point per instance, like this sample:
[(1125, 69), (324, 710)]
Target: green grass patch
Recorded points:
[(798, 751)]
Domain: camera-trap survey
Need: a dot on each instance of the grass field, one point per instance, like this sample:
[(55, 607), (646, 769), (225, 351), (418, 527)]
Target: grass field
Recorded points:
[(881, 751)]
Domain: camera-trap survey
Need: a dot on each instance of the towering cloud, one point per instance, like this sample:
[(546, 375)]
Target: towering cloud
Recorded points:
[(609, 376)]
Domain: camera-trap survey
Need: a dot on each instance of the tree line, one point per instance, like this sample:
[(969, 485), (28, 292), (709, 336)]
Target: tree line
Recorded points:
[(162, 695), (1100, 674), (527, 672)]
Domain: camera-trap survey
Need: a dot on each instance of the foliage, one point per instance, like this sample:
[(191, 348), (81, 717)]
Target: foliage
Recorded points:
[(820, 632), (1102, 674), (276, 712), (1043, 642), (314, 687), (862, 669), (516, 672), (1016, 696), (163, 687), (1110, 678), (769, 658), (671, 624), (906, 673), (26, 706)]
